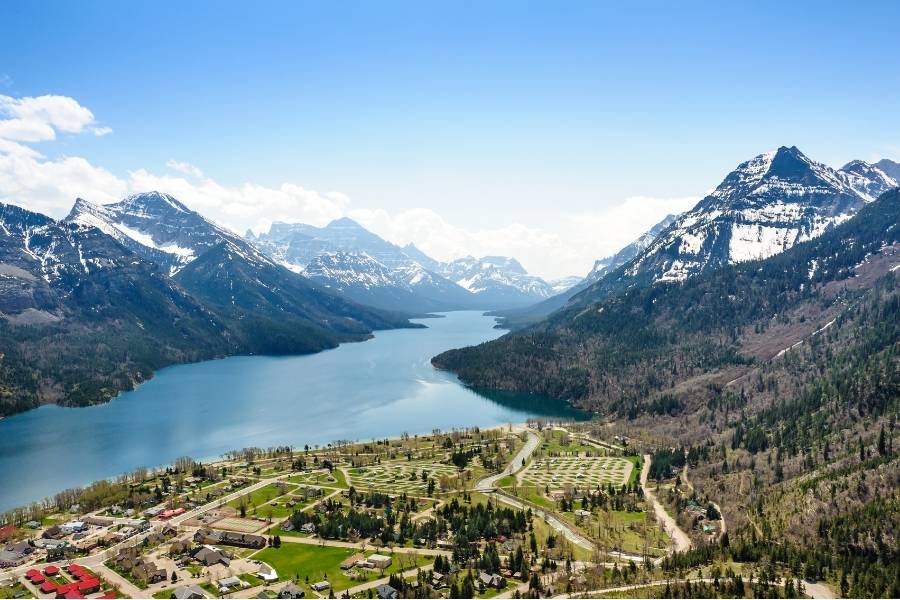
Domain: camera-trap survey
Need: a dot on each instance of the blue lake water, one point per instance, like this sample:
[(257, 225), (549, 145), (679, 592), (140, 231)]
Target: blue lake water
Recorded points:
[(378, 388)]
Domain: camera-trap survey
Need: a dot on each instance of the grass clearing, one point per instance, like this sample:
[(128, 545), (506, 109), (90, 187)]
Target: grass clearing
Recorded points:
[(316, 563)]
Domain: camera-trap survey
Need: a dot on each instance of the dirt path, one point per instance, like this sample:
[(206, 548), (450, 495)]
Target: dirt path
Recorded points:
[(814, 590), (679, 538)]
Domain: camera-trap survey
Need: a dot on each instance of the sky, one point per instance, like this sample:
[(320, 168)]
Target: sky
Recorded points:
[(555, 132)]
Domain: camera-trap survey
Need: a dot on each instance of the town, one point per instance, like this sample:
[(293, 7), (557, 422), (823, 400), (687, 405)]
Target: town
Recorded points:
[(534, 510)]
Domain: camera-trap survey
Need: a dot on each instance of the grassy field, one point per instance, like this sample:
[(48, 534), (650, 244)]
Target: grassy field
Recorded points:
[(335, 479), (560, 443), (636, 471), (317, 563), (580, 472), (262, 495), (622, 530), (399, 476)]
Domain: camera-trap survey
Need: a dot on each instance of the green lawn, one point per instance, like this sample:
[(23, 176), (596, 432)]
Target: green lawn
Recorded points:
[(15, 590), (261, 496), (323, 562), (636, 471)]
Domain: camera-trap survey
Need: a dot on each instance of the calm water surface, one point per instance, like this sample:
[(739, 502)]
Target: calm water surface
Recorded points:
[(377, 388)]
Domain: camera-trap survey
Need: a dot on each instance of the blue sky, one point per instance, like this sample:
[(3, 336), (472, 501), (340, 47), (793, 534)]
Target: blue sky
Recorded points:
[(488, 115)]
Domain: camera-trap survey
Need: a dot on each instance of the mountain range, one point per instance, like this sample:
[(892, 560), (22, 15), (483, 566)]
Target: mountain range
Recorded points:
[(346, 257), (763, 207), (96, 302)]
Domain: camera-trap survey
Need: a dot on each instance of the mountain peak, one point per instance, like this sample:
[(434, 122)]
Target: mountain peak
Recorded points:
[(155, 201), (344, 223)]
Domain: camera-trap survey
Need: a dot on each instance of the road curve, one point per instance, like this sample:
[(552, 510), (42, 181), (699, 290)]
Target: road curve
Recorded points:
[(531, 443)]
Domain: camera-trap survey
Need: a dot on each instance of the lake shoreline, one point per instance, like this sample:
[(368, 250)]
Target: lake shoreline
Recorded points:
[(353, 392)]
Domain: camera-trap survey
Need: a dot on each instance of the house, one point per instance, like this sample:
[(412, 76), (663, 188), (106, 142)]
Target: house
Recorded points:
[(229, 538), (310, 492), (209, 556), (352, 561), (51, 571), (437, 579), (229, 583), (52, 533), (321, 586), (581, 515), (49, 587), (179, 547), (72, 527), (98, 521), (387, 592), (380, 561), (291, 591), (186, 592), (487, 581), (32, 525), (308, 528)]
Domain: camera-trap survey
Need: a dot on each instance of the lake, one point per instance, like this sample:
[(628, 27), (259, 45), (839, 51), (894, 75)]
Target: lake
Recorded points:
[(374, 389)]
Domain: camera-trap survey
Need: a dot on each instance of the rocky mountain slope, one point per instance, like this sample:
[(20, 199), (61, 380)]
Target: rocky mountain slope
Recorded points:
[(519, 317), (762, 208), (625, 351)]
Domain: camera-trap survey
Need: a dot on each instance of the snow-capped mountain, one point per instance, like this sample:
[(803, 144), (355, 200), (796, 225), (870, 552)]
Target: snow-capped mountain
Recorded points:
[(160, 228), (500, 280), (762, 208), (408, 287), (346, 257), (564, 284), (611, 263), (889, 168), (297, 244), (521, 316), (219, 266)]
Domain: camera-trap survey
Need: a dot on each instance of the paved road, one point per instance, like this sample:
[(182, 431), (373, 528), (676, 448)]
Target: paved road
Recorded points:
[(679, 538), (531, 444)]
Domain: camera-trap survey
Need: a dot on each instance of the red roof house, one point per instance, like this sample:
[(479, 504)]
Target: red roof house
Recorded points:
[(49, 586), (74, 595), (89, 586), (51, 570), (38, 579)]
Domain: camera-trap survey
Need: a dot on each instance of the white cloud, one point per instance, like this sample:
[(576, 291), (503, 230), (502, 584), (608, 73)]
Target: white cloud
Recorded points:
[(35, 119), (569, 246), (566, 244), (184, 167)]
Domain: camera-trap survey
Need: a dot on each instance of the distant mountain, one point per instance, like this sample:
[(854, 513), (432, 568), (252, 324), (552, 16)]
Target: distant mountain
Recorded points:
[(408, 287), (516, 318), (346, 257), (499, 281), (564, 284), (420, 257), (115, 292), (611, 263), (762, 208), (889, 168)]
